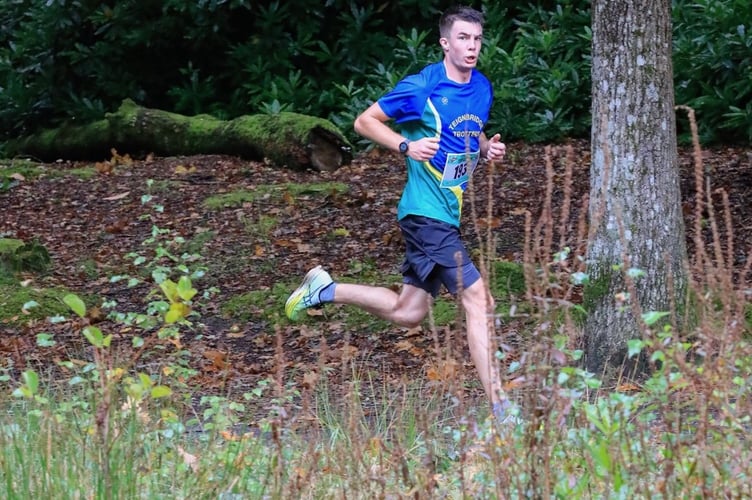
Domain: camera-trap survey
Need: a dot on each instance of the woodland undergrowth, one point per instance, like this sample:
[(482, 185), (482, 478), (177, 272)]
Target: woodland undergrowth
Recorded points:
[(126, 423)]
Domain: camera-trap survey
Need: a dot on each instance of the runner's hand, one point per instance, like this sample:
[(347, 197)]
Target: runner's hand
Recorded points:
[(496, 148), (423, 149)]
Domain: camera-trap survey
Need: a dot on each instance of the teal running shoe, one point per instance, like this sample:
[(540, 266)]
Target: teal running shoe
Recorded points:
[(307, 294)]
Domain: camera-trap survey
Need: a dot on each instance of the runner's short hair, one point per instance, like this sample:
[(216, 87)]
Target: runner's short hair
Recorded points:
[(458, 13)]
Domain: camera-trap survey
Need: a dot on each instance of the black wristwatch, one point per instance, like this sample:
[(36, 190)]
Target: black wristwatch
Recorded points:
[(404, 147)]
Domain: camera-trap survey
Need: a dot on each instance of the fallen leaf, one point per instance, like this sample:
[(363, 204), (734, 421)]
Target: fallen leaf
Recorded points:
[(628, 387), (412, 332), (229, 436), (182, 170), (117, 227), (347, 352), (117, 196), (443, 371), (137, 406), (407, 346), (310, 380), (176, 342), (103, 167), (218, 359), (514, 384), (188, 459), (492, 222)]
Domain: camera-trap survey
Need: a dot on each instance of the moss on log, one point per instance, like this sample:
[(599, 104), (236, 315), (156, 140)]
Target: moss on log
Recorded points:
[(17, 256), (289, 139)]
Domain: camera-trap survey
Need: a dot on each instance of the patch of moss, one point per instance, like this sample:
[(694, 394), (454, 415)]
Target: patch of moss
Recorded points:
[(9, 245), (196, 244), (89, 267), (316, 188), (26, 168), (365, 323), (274, 191), (267, 304), (366, 270), (507, 278), (40, 303), (261, 227), (595, 289), (84, 173), (444, 311), (15, 257), (230, 200), (30, 170)]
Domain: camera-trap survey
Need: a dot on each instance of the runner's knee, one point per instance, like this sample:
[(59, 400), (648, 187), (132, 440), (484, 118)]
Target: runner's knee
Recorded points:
[(410, 313), (409, 317), (475, 299)]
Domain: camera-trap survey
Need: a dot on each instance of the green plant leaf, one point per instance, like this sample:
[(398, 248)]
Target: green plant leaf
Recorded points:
[(160, 391), (31, 380), (30, 305), (634, 347), (170, 289), (76, 304), (579, 278), (94, 336), (21, 392), (601, 456), (177, 311), (651, 317), (185, 288), (45, 340)]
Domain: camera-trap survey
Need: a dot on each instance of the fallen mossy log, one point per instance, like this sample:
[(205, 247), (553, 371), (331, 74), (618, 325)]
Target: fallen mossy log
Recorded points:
[(291, 139)]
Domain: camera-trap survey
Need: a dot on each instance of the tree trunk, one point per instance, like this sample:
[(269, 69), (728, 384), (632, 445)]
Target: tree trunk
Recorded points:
[(635, 202), (297, 141)]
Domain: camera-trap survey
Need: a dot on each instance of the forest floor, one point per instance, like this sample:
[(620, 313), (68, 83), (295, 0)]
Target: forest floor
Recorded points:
[(258, 245)]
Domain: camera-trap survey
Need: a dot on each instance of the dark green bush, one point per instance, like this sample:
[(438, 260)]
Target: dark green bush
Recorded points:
[(713, 66), (540, 67), (65, 60), (74, 60)]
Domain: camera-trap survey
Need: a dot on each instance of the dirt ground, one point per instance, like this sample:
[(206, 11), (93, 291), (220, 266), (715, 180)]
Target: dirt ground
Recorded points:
[(90, 225)]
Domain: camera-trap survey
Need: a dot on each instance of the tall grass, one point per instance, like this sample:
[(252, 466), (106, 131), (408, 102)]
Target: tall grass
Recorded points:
[(93, 431)]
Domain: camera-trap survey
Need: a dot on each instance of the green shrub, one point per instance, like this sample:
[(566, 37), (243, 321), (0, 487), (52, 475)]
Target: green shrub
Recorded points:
[(540, 68), (66, 60), (713, 66)]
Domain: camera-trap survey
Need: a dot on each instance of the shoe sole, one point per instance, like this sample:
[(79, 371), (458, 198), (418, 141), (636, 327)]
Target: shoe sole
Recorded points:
[(299, 293)]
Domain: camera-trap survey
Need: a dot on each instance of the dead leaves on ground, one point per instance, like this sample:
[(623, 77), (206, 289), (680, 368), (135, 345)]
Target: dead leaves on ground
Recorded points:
[(98, 219)]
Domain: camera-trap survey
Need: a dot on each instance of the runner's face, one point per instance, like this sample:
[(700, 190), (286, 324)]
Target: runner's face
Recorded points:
[(463, 45)]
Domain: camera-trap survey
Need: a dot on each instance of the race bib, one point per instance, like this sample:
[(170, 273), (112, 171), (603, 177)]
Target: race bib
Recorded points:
[(458, 169)]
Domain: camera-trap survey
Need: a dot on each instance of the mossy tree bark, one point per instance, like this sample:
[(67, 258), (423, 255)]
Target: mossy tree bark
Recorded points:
[(291, 139), (635, 202)]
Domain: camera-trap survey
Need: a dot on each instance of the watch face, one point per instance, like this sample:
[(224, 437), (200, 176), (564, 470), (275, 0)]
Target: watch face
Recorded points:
[(403, 147)]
